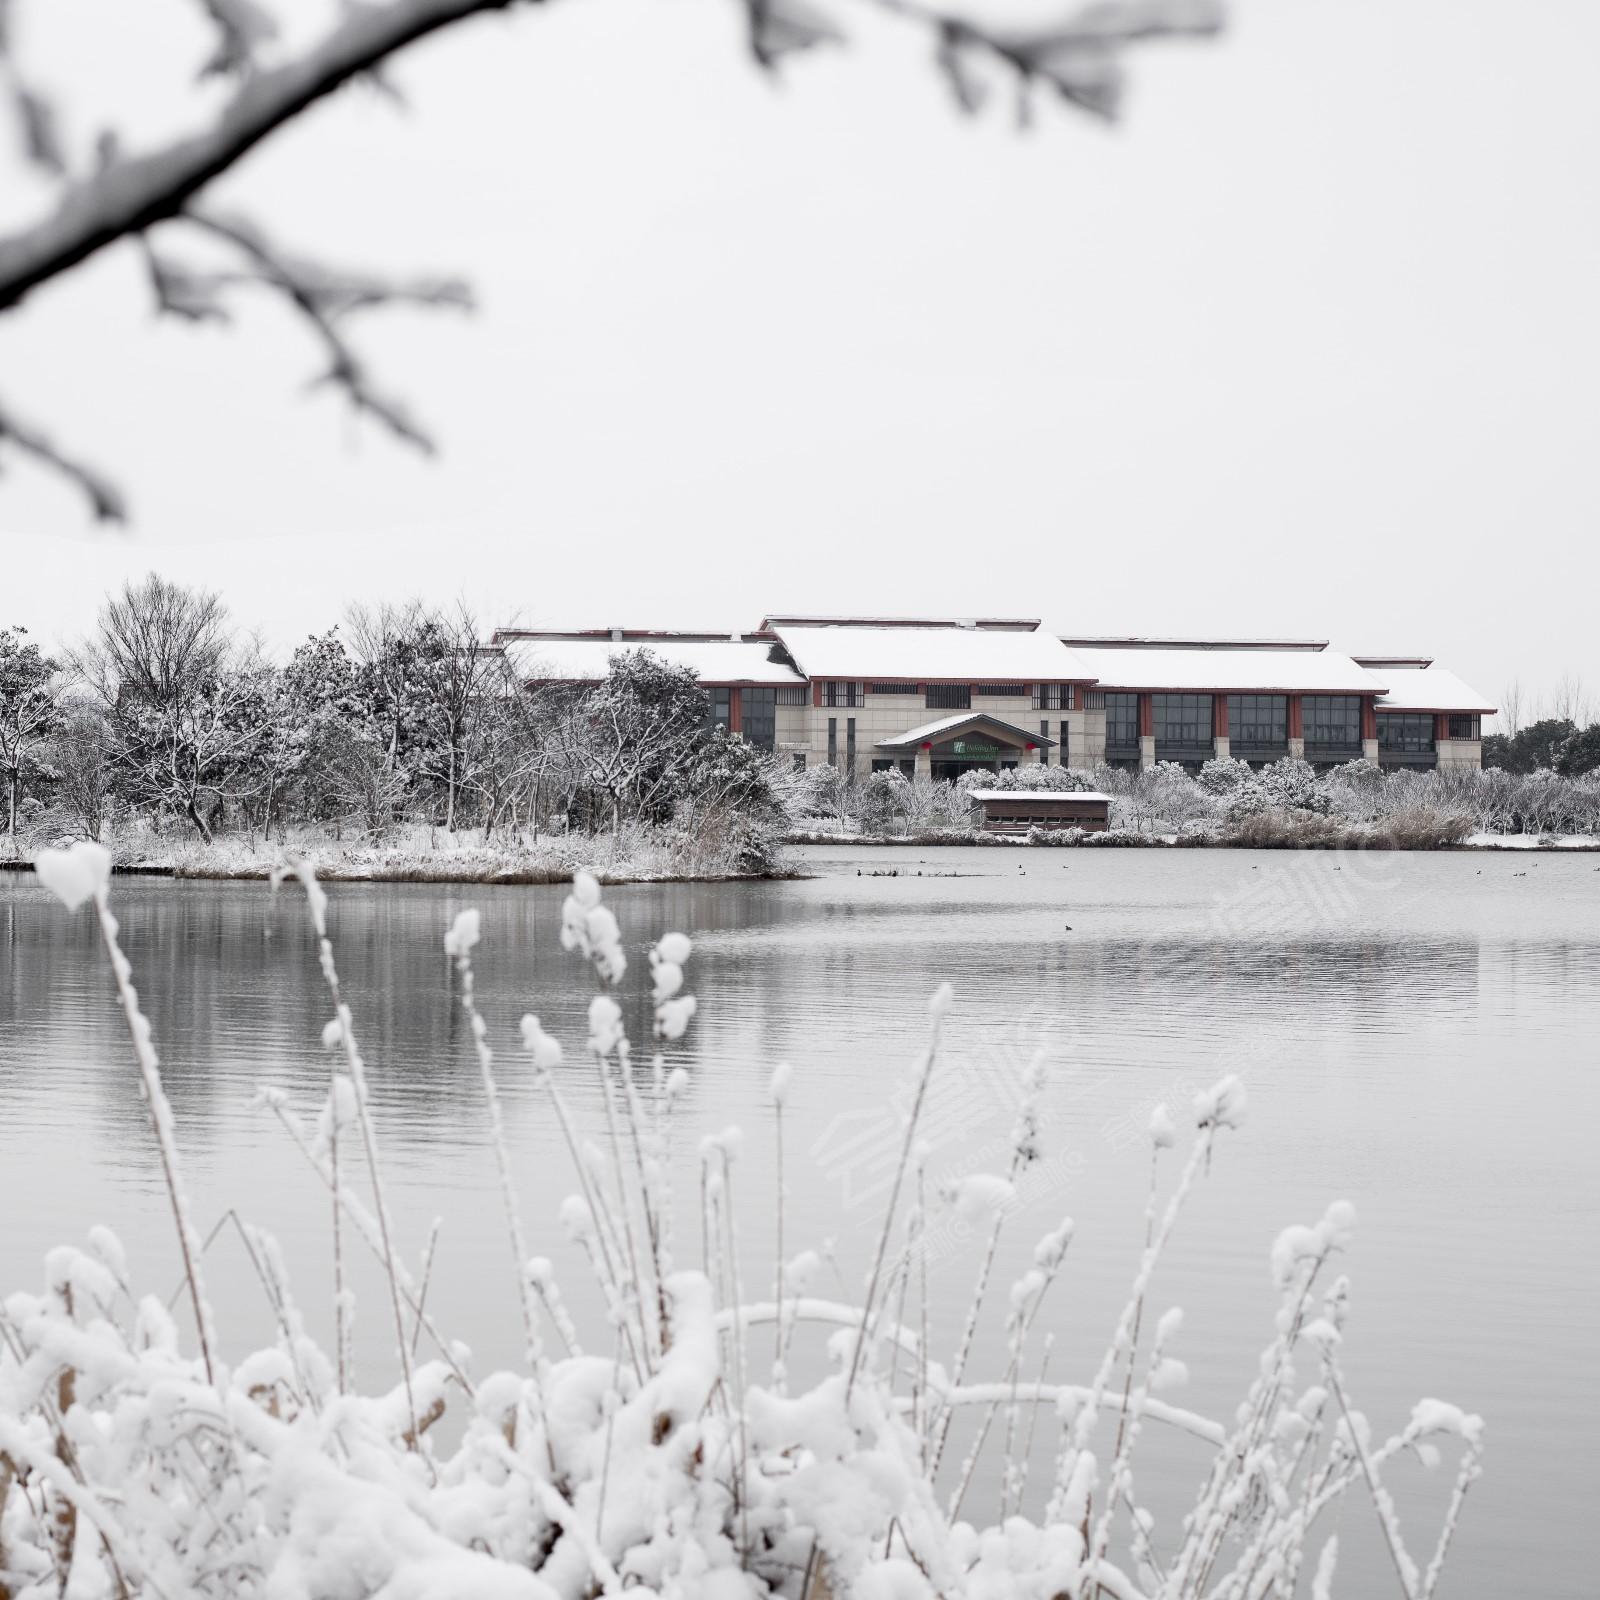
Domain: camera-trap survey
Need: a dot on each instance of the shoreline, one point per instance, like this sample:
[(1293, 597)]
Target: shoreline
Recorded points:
[(380, 872), (445, 869), (1477, 844)]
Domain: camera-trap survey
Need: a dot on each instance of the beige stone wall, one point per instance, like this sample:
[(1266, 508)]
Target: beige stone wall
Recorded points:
[(1088, 738), (887, 716), (1460, 752)]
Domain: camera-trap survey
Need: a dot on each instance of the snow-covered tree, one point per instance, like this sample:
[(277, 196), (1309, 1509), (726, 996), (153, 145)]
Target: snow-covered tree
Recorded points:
[(198, 256), (29, 712), (189, 707)]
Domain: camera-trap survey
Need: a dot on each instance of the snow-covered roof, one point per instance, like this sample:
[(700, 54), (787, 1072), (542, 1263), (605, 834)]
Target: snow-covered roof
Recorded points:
[(587, 660), (780, 619), (930, 731), (920, 654), (1143, 642), (1430, 689), (1235, 671), (1037, 794)]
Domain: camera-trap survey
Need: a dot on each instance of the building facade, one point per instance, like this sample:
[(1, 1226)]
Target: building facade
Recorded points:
[(940, 697)]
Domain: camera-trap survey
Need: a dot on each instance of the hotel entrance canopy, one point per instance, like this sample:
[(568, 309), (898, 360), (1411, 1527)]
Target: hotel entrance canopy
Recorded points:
[(967, 736)]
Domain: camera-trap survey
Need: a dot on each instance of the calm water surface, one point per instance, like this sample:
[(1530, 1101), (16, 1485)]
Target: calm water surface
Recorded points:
[(1417, 1033)]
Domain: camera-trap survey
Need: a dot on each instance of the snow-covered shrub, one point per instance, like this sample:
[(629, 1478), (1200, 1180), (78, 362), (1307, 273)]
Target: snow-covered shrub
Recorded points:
[(1287, 785), (135, 1465), (1356, 790), (880, 802), (1031, 777), (1221, 775)]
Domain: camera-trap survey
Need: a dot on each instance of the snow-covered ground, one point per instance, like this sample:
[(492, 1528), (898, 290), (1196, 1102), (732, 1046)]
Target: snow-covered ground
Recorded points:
[(1532, 841), (419, 854)]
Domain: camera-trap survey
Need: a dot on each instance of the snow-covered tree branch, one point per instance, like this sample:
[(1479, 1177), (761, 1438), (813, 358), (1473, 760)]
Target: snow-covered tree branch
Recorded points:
[(143, 197)]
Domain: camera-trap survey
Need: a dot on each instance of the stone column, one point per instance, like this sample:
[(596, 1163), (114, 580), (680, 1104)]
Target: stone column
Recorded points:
[(1147, 731), (924, 760), (1297, 739), (1369, 749), (1221, 743)]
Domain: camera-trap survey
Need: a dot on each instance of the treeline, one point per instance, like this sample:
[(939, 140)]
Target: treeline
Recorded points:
[(1227, 796), (170, 716), (1553, 744)]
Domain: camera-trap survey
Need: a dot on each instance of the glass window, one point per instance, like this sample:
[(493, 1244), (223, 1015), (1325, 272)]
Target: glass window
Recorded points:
[(719, 707), (799, 761), (1332, 720), (1258, 721), (833, 741), (1182, 720), (1122, 721), (1465, 725), (950, 696), (1007, 689), (1405, 732), (891, 688), (759, 717)]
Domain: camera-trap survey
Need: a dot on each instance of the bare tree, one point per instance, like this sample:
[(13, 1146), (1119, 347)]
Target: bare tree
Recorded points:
[(157, 200), (81, 756), (463, 675), (1571, 701), (30, 687), (185, 703), (1511, 708)]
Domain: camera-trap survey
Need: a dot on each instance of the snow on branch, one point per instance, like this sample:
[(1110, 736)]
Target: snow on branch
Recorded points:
[(322, 295), (127, 196), (104, 498), (241, 28), (134, 193), (1079, 57)]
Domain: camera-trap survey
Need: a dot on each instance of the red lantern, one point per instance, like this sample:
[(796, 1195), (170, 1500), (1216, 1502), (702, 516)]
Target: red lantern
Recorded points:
[(927, 744), (1032, 747)]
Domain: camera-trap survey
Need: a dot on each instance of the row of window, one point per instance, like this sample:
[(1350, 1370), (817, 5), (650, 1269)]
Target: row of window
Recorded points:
[(1332, 720), (942, 696), (1182, 721), (1255, 721), (1404, 732)]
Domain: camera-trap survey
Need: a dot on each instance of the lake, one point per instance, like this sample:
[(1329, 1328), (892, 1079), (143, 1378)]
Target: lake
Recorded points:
[(1418, 1035)]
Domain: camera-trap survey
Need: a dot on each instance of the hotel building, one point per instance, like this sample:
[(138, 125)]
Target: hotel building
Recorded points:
[(944, 696)]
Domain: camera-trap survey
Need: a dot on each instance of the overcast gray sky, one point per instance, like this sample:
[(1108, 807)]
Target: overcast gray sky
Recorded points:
[(1308, 344)]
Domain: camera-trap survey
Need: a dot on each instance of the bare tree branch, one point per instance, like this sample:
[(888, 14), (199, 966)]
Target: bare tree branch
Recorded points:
[(104, 498), (241, 27), (323, 296), (127, 197), (135, 193), (1080, 58)]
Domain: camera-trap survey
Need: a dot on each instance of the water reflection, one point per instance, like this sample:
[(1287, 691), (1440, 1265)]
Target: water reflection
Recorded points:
[(1417, 1033)]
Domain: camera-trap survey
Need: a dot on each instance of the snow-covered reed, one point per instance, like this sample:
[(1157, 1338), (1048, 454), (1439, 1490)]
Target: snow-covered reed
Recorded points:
[(136, 1461)]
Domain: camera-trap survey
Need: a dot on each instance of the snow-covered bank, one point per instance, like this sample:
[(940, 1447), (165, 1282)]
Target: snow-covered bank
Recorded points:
[(670, 1446), (1529, 841), (433, 855)]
